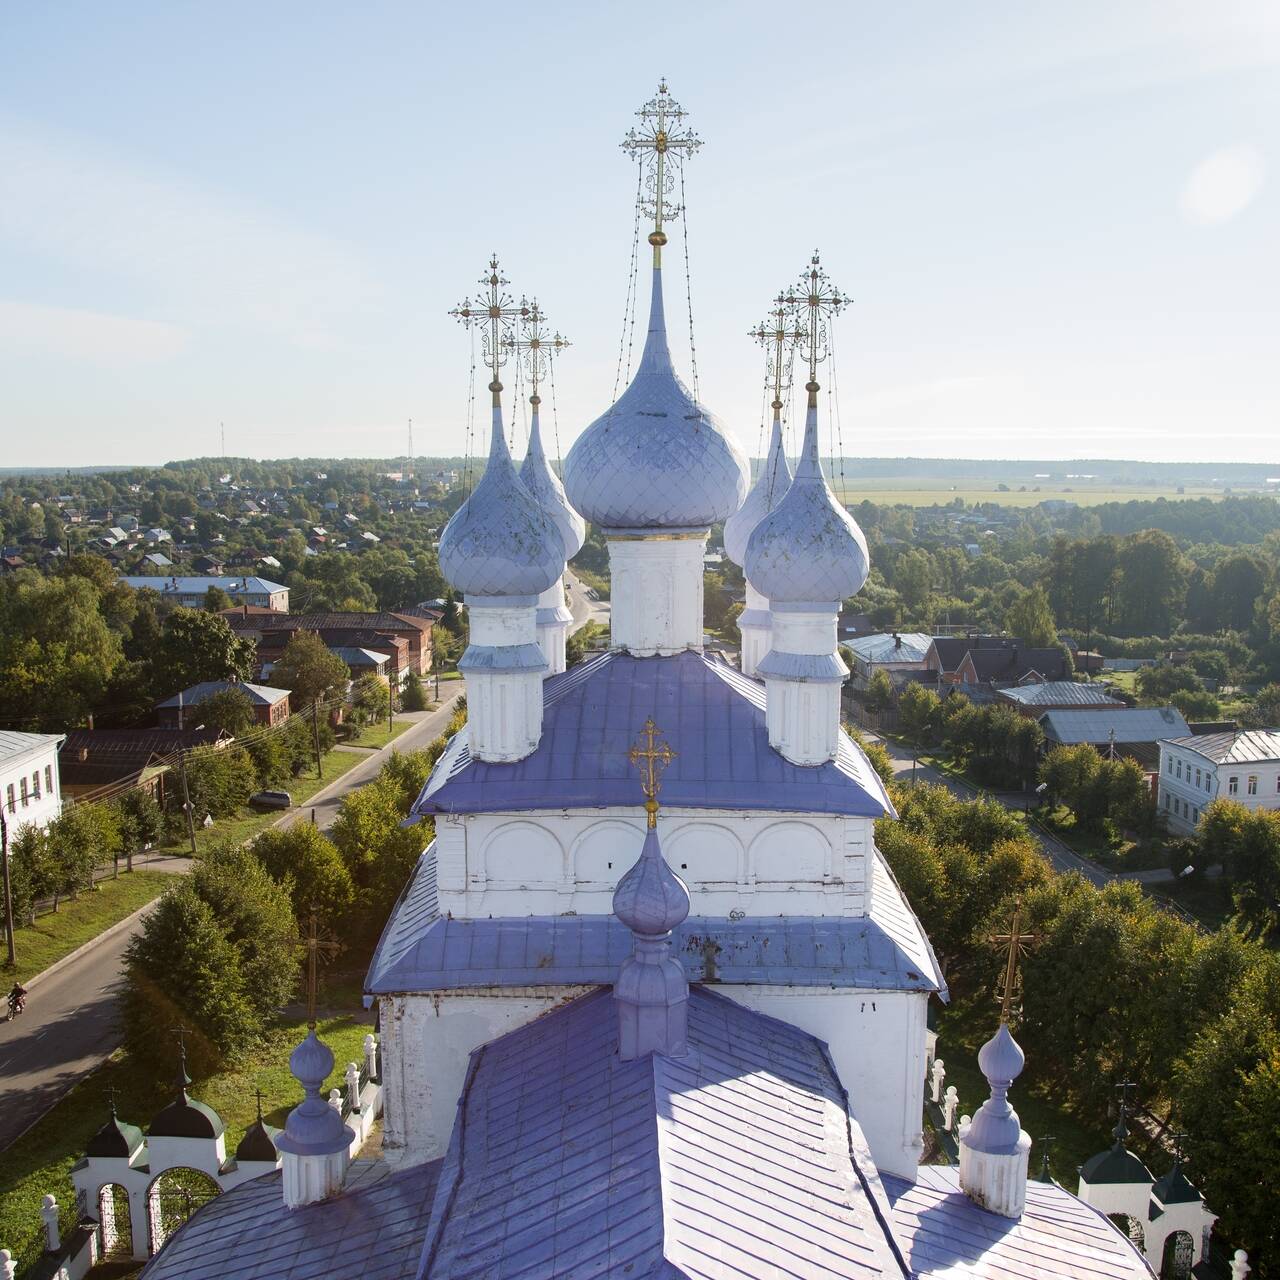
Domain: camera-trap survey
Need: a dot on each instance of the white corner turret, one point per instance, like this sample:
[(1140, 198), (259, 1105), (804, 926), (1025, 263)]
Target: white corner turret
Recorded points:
[(994, 1148)]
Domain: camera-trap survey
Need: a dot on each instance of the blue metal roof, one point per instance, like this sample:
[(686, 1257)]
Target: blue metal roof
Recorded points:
[(421, 950), (712, 715), (738, 1161), (372, 1230), (1058, 1236)]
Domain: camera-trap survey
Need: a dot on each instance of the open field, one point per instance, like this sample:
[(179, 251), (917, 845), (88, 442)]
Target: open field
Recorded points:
[(914, 491)]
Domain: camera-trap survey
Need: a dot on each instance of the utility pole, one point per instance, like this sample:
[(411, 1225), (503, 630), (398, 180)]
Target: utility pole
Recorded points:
[(315, 734), (391, 704), (186, 803), (8, 894)]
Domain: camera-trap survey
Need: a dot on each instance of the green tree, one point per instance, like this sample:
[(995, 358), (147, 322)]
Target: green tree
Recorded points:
[(369, 698), (229, 710), (220, 781), (197, 646), (141, 821), (256, 917), (182, 970), (879, 695), (413, 697), (1263, 711), (216, 600), (309, 671), (919, 712), (1238, 583), (1031, 619), (1157, 685), (1153, 577), (303, 860)]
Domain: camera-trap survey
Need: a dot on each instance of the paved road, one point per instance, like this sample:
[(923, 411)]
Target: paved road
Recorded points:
[(429, 724), (1060, 856), (582, 606), (69, 1026)]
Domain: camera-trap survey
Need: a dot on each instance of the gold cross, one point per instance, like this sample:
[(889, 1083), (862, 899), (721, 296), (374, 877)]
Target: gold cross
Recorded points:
[(497, 311), (316, 946), (660, 134), (782, 332), (651, 759), (535, 343), (1015, 943)]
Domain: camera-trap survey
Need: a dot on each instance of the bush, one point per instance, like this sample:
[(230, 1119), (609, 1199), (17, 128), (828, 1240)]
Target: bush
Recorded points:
[(272, 760), (310, 868), (413, 696), (220, 781)]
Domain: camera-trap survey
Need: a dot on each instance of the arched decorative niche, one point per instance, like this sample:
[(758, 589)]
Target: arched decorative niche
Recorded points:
[(522, 853), (789, 852), (604, 852), (705, 853)]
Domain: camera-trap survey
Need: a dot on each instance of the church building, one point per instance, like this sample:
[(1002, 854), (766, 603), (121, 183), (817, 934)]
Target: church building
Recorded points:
[(652, 1003)]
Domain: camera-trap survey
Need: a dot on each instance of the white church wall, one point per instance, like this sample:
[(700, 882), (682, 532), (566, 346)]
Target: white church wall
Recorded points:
[(876, 1038), (427, 1042), (877, 1042), (551, 863)]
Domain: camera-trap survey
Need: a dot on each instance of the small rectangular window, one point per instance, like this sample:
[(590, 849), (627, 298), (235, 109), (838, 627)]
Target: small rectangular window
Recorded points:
[(1177, 772), (1253, 784), (1195, 815), (35, 785), (48, 778), (1197, 777), (13, 804), (24, 791), (1166, 800), (1233, 785)]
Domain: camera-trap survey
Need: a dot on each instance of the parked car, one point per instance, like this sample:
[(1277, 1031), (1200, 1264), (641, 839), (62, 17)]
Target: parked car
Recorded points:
[(271, 800)]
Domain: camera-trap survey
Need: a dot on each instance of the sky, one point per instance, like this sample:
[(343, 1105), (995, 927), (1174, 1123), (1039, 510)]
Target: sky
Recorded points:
[(1058, 222)]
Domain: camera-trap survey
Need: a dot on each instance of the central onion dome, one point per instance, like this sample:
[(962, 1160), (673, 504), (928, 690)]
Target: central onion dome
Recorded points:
[(769, 489), (657, 459), (501, 542), (547, 491), (808, 548)]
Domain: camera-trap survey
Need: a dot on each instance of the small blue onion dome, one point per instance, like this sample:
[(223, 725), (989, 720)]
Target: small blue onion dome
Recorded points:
[(313, 1128), (548, 492), (769, 489), (996, 1129), (501, 542), (651, 899), (808, 549), (657, 459)]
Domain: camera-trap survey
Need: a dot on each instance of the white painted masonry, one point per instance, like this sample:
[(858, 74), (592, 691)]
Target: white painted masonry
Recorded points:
[(656, 592)]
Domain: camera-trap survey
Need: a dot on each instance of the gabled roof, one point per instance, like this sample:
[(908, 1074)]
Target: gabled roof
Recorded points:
[(739, 1161), (1014, 662), (1118, 724), (950, 650), (259, 694), (1058, 1237), (1244, 747), (15, 746), (712, 715), (1054, 692), (188, 585), (906, 646), (275, 620), (423, 950)]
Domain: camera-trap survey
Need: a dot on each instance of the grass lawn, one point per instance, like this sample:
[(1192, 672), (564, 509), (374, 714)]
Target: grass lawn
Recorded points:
[(40, 1161), (74, 923), (374, 736), (249, 822)]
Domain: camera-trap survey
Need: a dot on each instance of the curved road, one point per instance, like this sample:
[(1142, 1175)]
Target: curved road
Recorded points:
[(69, 1026)]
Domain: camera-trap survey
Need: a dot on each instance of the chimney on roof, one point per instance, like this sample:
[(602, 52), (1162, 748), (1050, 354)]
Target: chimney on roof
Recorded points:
[(897, 641)]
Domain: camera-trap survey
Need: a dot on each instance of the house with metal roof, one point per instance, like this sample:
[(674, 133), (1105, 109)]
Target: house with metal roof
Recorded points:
[(1055, 695), (30, 785), (1243, 765), (892, 652), (270, 706), (192, 591), (1131, 731)]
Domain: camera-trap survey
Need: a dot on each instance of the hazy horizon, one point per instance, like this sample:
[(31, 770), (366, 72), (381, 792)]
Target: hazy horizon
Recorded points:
[(1056, 222)]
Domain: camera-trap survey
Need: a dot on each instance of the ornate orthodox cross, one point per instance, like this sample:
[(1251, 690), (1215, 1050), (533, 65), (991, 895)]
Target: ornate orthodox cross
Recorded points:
[(259, 1095), (180, 1033), (1015, 944), (814, 300), (779, 335), (317, 948), (533, 341), (1045, 1143), (111, 1092), (497, 311), (651, 758), (661, 134)]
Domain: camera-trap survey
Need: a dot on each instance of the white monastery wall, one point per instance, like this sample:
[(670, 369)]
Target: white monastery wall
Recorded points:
[(553, 863)]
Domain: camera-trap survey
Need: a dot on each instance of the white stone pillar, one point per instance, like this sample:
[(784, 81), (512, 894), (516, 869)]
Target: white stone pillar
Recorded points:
[(504, 668), (352, 1081), (49, 1216), (8, 1268), (754, 626), (1240, 1267), (553, 619), (655, 591), (371, 1056), (802, 676), (937, 1076)]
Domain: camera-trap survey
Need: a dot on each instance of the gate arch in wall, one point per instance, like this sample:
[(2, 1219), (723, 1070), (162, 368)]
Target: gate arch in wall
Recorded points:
[(706, 853), (172, 1197)]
